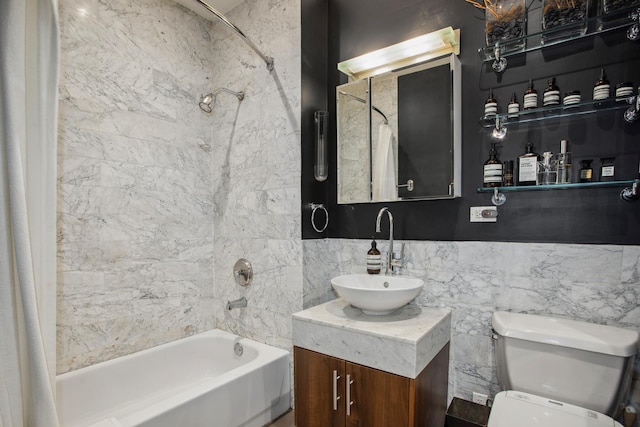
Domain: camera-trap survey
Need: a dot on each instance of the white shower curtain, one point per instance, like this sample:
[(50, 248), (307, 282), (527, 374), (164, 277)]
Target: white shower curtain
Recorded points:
[(384, 182), (28, 112)]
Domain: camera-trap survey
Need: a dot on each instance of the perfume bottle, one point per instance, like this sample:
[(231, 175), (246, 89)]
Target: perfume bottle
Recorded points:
[(607, 170), (586, 173), (551, 95), (528, 166), (530, 99), (563, 161), (490, 106), (492, 169), (507, 176)]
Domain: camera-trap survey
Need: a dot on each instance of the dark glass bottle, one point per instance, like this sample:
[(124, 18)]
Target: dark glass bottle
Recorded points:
[(490, 106), (551, 94), (507, 176), (513, 108), (586, 172), (528, 166), (602, 88), (492, 169), (374, 259), (530, 99), (607, 170)]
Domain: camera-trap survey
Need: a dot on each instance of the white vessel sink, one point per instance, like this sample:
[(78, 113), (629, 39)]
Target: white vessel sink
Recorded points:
[(377, 294)]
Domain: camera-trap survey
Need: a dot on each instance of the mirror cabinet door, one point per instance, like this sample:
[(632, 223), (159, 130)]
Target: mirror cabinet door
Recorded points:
[(354, 151), (413, 130)]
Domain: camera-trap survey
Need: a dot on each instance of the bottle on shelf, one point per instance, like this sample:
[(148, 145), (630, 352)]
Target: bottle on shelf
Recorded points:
[(530, 98), (528, 166), (507, 176), (513, 107), (563, 162), (602, 88), (374, 259), (492, 169), (547, 171), (586, 172), (551, 95), (490, 106), (607, 170)]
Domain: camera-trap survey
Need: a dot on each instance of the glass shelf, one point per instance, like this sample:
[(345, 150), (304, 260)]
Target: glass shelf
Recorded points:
[(545, 113), (573, 186), (541, 39)]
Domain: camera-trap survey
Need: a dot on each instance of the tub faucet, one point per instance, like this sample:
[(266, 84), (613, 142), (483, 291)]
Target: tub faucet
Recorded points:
[(392, 265), (240, 302)]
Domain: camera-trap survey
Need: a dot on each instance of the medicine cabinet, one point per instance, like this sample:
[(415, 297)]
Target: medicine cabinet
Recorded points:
[(399, 134)]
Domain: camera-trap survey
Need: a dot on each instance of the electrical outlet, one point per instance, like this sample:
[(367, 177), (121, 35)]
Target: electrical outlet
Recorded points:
[(480, 398), (483, 214)]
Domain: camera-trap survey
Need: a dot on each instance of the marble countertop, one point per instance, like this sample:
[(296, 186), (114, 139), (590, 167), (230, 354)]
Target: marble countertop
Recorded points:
[(402, 343)]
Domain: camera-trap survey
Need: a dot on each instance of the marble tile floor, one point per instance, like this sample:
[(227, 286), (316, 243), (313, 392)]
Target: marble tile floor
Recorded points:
[(287, 420)]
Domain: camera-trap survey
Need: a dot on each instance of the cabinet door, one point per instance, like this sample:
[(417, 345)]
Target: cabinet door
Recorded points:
[(377, 398), (316, 402)]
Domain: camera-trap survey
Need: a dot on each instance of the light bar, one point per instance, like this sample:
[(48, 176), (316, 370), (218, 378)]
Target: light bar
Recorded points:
[(409, 52)]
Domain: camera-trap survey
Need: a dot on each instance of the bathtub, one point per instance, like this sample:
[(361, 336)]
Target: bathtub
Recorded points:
[(192, 382)]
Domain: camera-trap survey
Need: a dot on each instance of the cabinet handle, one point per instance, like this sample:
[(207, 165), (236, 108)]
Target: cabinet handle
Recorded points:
[(336, 377), (349, 402)]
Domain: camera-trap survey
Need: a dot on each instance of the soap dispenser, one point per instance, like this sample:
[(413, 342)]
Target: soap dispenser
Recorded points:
[(374, 259)]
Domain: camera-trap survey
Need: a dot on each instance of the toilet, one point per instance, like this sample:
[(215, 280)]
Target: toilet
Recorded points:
[(559, 372)]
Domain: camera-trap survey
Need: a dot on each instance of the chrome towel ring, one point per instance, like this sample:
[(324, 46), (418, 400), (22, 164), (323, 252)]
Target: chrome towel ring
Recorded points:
[(314, 208)]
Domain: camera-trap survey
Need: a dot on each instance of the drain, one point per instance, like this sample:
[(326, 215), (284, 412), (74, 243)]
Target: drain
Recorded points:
[(385, 284), (237, 349)]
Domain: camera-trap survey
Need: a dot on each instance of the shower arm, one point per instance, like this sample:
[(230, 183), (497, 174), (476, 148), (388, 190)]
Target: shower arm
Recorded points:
[(239, 95), (267, 59)]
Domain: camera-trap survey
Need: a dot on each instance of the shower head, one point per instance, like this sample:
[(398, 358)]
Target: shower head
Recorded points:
[(208, 101)]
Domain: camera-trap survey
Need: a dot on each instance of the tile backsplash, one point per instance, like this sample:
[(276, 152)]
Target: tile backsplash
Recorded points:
[(593, 283)]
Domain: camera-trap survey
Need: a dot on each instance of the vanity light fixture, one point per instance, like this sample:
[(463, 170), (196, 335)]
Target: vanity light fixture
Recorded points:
[(408, 52)]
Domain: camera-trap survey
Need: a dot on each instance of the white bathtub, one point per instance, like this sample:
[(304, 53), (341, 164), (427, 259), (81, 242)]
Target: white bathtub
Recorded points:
[(192, 382)]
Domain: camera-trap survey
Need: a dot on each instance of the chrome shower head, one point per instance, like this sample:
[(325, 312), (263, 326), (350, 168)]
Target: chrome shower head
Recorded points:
[(208, 101)]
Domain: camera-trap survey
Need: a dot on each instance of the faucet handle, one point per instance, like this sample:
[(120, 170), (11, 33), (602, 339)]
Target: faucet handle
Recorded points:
[(398, 262)]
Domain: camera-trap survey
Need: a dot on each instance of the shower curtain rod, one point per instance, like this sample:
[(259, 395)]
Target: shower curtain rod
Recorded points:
[(267, 59), (373, 107)]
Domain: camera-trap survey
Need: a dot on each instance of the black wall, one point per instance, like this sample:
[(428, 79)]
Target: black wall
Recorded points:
[(341, 29)]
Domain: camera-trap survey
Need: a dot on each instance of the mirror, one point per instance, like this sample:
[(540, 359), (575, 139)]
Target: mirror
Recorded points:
[(399, 134)]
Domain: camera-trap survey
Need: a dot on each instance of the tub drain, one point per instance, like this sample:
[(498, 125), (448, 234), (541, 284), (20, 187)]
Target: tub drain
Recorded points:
[(238, 350)]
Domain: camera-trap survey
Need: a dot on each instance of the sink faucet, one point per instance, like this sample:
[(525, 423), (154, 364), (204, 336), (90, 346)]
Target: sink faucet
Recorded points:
[(393, 264), (240, 302)]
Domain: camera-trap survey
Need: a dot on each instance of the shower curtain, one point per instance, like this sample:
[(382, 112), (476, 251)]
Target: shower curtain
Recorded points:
[(384, 182), (28, 112)]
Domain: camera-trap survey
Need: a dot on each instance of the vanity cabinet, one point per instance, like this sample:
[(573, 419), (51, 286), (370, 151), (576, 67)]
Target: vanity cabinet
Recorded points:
[(333, 392)]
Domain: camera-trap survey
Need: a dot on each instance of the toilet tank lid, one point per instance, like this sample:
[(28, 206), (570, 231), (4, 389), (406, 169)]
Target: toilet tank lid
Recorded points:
[(567, 333)]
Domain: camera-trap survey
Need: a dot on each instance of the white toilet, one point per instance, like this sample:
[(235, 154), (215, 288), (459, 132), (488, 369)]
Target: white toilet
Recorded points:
[(559, 372)]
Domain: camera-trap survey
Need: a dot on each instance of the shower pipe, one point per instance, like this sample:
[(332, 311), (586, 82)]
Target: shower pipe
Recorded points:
[(267, 59), (373, 107)]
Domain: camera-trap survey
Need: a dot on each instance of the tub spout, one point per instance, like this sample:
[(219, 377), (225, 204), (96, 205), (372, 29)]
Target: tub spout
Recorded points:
[(240, 302)]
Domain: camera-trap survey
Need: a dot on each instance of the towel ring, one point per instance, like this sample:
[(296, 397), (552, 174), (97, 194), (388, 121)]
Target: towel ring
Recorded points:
[(314, 207)]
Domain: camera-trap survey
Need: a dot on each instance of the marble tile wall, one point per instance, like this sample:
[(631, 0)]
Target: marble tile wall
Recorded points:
[(256, 146), (147, 180), (596, 283), (135, 199)]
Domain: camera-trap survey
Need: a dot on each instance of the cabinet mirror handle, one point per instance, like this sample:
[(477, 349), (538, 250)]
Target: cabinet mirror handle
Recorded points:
[(349, 402), (336, 377)]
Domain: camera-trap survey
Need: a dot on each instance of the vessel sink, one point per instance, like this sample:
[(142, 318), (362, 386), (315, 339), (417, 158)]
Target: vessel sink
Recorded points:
[(377, 294)]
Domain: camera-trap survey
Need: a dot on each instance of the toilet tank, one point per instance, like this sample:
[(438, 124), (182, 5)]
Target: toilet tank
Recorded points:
[(581, 363)]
